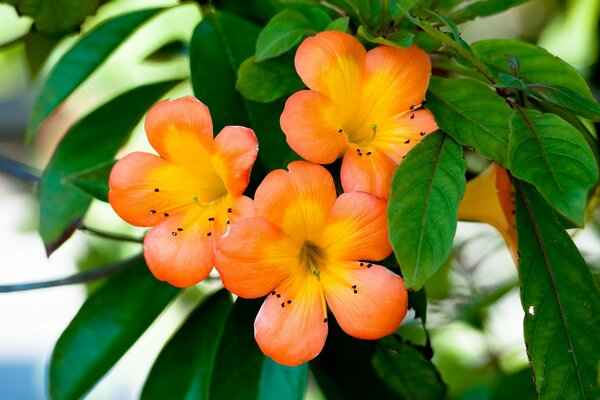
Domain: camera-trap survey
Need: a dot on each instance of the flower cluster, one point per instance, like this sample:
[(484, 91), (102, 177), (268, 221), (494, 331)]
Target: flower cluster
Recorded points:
[(309, 251)]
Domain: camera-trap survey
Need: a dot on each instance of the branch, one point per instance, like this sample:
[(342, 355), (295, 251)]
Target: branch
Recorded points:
[(110, 235), (19, 170)]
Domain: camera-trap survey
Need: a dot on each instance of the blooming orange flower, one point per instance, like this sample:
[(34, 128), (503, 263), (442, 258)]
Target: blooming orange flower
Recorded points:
[(190, 194), (362, 105), (304, 248), (489, 198)]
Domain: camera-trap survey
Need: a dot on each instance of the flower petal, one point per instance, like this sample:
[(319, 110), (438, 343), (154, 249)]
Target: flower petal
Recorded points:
[(368, 302), (357, 228), (180, 131), (254, 257), (236, 150), (367, 170), (180, 249), (291, 326), (330, 63), (297, 201), (145, 188), (312, 127)]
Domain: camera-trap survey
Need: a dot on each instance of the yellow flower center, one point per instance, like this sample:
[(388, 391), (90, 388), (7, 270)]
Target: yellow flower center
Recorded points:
[(313, 258)]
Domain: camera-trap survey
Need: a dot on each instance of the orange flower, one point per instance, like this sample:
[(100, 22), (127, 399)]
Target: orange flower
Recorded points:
[(489, 198), (362, 105), (190, 194), (303, 248)]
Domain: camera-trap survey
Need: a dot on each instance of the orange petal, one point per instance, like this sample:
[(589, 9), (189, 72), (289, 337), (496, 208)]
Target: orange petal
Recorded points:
[(368, 302), (180, 249), (291, 326), (330, 63), (312, 127), (357, 228), (297, 201), (367, 170), (489, 198), (180, 130), (143, 187), (236, 150), (394, 80), (254, 257)]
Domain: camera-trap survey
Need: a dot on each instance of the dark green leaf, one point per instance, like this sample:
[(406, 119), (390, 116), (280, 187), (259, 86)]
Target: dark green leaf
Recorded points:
[(340, 24), (56, 17), (515, 386), (106, 326), (473, 114), (94, 140), (169, 51), (288, 28), (483, 8), (537, 65), (406, 370), (279, 382), (37, 48), (566, 98), (396, 39), (547, 152), (268, 80), (94, 181), (422, 210), (257, 11), (81, 60), (184, 367), (561, 303)]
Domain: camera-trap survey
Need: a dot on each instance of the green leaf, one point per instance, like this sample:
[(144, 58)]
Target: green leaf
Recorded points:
[(257, 11), (547, 152), (472, 114), (94, 181), (561, 303), (280, 382), (220, 43), (268, 80), (483, 8), (340, 24), (188, 358), (106, 326), (92, 141), (407, 371), (396, 39), (537, 65), (567, 99), (56, 17), (422, 210), (81, 60), (288, 28)]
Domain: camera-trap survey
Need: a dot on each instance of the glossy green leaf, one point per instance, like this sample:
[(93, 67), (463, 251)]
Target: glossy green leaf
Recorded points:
[(567, 99), (547, 152), (483, 8), (38, 48), (188, 358), (56, 17), (220, 43), (107, 325), (340, 24), (94, 181), (279, 382), (81, 60), (407, 370), (396, 39), (537, 65), (286, 29), (472, 114), (257, 11), (95, 139), (561, 303), (268, 80), (422, 210)]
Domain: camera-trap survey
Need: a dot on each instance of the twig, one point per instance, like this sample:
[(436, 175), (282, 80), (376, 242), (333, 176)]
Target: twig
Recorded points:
[(19, 170), (110, 235)]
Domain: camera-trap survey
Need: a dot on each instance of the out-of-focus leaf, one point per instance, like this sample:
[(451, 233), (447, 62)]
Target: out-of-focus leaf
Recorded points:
[(422, 210), (472, 114), (566, 98), (169, 51), (280, 382), (268, 80), (184, 367), (406, 370), (220, 43), (37, 48), (81, 60), (94, 140), (340, 24), (106, 326), (537, 65), (288, 28), (56, 17), (561, 303), (94, 181), (396, 39), (515, 386), (483, 8), (257, 11), (547, 152)]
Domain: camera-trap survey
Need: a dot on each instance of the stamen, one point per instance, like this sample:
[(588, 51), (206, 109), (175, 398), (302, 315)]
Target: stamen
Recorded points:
[(273, 293), (407, 141), (174, 233), (209, 234), (152, 211), (369, 153), (361, 264), (422, 133), (353, 286), (230, 210), (228, 222), (324, 319), (278, 295), (166, 214), (282, 305), (179, 229), (412, 116), (195, 198), (374, 129), (355, 291), (156, 189), (211, 219), (289, 302), (412, 107), (369, 265), (340, 130)]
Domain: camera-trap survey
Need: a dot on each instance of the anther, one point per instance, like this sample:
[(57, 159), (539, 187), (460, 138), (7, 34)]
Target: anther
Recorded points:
[(230, 210), (358, 150), (156, 190), (353, 286), (403, 157), (412, 107), (209, 234), (211, 219), (340, 130), (282, 305), (369, 265), (166, 214), (152, 211), (362, 264), (360, 154), (278, 295), (369, 153), (355, 291), (412, 116), (289, 302), (174, 233), (324, 319), (273, 293), (228, 222), (407, 141), (179, 229), (422, 133)]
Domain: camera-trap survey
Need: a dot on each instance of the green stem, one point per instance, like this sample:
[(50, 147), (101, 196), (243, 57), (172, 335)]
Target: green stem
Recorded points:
[(110, 235), (19, 170)]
